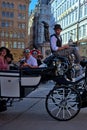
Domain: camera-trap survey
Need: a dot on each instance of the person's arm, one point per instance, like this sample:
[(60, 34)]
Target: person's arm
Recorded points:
[(3, 66), (63, 47), (54, 47), (28, 65), (32, 64)]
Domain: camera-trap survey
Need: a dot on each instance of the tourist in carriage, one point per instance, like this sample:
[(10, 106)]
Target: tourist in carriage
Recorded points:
[(28, 61), (3, 62), (58, 48), (37, 54), (9, 60)]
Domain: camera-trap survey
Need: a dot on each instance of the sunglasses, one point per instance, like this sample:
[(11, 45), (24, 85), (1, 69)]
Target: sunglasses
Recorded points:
[(27, 51), (34, 53)]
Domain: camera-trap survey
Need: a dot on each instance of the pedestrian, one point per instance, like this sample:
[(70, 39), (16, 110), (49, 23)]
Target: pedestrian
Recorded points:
[(58, 48)]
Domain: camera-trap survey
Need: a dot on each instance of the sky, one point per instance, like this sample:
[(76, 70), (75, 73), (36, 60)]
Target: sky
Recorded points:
[(32, 4)]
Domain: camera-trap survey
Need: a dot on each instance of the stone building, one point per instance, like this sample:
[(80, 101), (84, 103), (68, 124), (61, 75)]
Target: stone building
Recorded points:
[(14, 25), (72, 15)]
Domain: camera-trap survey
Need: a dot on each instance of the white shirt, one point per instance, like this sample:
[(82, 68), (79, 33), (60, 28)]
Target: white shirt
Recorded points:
[(31, 61), (53, 41)]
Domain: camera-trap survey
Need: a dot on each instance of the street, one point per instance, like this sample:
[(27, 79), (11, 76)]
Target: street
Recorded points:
[(30, 114)]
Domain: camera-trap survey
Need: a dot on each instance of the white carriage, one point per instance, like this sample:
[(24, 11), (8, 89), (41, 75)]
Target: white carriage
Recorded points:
[(13, 83)]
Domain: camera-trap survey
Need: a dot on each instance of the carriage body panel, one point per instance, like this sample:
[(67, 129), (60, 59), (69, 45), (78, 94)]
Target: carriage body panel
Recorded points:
[(12, 83)]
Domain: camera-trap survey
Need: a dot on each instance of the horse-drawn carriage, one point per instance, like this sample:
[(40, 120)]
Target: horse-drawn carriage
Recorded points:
[(66, 98)]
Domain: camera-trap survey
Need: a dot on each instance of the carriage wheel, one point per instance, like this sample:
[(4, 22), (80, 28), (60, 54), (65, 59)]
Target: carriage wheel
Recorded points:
[(63, 103)]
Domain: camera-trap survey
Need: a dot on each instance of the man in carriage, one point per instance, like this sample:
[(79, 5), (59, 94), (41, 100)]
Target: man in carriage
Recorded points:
[(58, 48), (65, 50)]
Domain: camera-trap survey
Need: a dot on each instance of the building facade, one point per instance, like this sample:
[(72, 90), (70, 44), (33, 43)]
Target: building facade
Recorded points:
[(72, 15), (40, 14), (14, 25), (37, 21)]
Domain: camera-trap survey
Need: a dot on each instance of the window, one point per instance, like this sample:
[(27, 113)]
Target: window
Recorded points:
[(10, 45), (3, 4), (6, 34), (10, 34), (2, 43), (22, 7), (8, 14), (14, 44), (81, 1), (11, 5), (15, 35), (84, 30), (23, 45), (21, 26), (81, 11), (85, 9), (80, 32), (6, 23), (76, 15), (22, 35), (21, 16), (19, 35), (75, 34), (3, 14), (7, 44), (19, 44), (11, 15), (70, 18), (7, 5), (3, 24), (2, 34)]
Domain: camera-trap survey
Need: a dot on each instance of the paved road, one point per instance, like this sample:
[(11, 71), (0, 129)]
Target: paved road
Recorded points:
[(30, 114)]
